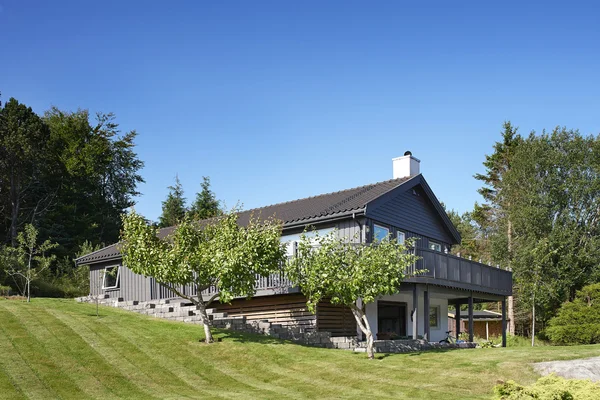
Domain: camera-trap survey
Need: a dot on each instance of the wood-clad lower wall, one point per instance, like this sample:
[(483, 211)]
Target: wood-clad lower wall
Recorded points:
[(336, 319), (290, 310)]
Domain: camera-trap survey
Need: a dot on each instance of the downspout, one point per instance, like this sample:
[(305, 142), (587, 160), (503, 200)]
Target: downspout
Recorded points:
[(360, 226)]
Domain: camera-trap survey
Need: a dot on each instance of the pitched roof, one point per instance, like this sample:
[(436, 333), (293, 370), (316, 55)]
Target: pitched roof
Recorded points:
[(291, 212)]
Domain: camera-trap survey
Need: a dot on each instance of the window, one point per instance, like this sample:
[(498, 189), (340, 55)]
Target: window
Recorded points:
[(435, 246), (111, 277), (434, 316), (380, 233), (400, 237)]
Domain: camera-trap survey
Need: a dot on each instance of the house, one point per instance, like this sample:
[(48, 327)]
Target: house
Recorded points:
[(486, 323), (404, 207)]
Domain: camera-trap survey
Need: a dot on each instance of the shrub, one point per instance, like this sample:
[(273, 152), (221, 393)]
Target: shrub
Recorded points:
[(578, 322), (549, 388), (5, 290)]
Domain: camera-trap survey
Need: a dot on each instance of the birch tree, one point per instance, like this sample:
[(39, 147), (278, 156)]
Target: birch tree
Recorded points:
[(219, 253), (332, 267)]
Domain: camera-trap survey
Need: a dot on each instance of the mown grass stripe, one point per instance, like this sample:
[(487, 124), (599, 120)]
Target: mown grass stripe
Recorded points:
[(150, 374), (30, 348), (20, 369), (156, 342), (8, 389), (72, 354), (126, 375)]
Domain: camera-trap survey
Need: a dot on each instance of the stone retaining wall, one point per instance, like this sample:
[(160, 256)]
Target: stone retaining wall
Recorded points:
[(184, 311)]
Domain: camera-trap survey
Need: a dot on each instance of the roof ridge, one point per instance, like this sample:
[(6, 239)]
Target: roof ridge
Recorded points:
[(367, 186)]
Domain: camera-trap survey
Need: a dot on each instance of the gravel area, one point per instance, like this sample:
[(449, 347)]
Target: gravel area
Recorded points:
[(588, 368)]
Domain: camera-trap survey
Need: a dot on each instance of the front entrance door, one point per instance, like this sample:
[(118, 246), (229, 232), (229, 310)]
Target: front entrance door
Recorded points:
[(391, 319)]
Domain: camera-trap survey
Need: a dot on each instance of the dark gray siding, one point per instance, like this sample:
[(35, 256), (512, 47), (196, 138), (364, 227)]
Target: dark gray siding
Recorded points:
[(411, 211), (352, 229), (131, 286)]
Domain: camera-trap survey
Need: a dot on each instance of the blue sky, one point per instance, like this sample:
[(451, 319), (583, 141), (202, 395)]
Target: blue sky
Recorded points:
[(281, 100)]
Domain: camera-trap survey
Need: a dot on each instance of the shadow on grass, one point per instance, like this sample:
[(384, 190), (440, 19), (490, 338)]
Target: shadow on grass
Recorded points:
[(242, 337), (429, 351)]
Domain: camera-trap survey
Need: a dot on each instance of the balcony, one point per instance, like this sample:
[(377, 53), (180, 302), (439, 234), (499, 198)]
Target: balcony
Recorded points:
[(436, 268), (452, 271)]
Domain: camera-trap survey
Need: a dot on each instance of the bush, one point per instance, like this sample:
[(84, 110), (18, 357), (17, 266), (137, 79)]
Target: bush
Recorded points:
[(549, 388), (578, 322), (5, 290)]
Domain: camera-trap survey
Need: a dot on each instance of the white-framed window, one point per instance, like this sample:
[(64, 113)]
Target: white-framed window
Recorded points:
[(110, 277), (400, 237), (435, 246), (380, 233), (434, 316)]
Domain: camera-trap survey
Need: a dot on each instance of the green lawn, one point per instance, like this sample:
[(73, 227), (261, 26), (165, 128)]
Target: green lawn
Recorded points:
[(60, 349)]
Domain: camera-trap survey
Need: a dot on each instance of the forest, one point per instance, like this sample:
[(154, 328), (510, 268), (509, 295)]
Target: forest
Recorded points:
[(67, 177)]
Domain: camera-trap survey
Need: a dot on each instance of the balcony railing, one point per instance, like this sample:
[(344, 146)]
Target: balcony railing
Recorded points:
[(432, 267), (461, 272)]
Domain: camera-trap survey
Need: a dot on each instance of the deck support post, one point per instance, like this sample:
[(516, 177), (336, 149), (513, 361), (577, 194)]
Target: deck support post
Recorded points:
[(457, 322), (426, 329), (504, 322), (415, 325), (471, 327)]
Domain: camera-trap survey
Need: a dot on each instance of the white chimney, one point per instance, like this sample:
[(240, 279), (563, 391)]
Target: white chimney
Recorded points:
[(406, 166)]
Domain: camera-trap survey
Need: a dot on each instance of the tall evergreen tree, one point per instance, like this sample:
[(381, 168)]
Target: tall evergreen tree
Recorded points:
[(553, 189), (206, 204), (497, 165), (23, 141), (173, 208)]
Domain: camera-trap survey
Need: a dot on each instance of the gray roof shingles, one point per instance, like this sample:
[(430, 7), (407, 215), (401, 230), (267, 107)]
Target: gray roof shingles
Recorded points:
[(291, 212)]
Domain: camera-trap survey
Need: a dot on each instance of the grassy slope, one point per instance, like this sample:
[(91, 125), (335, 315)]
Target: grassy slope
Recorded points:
[(60, 349)]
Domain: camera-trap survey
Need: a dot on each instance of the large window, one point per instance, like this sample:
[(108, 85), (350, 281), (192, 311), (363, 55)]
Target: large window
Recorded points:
[(111, 277), (380, 233), (434, 316), (435, 246)]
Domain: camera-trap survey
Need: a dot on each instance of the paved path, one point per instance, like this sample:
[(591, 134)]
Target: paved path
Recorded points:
[(588, 368)]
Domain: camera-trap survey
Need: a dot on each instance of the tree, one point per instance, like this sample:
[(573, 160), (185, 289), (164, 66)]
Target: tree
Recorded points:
[(23, 140), (497, 165), (220, 253), (173, 208), (206, 204), (553, 189), (94, 171), (328, 266), (28, 259)]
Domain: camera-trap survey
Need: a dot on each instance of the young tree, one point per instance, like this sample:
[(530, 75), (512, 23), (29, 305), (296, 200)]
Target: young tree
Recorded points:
[(328, 266), (220, 253), (206, 204), (29, 258), (173, 208)]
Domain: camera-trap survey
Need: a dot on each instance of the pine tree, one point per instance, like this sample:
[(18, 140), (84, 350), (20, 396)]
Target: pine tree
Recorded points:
[(497, 165), (206, 204), (173, 208)]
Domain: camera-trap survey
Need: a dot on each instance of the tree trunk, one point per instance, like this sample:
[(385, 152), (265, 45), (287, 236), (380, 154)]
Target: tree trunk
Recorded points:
[(363, 324), (511, 305), (29, 276), (533, 321), (205, 321), (15, 204)]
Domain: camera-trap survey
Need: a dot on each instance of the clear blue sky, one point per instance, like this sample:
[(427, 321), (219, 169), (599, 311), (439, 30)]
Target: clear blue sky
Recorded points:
[(281, 100)]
